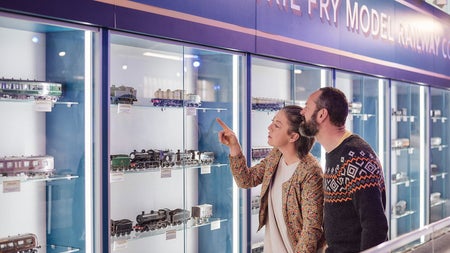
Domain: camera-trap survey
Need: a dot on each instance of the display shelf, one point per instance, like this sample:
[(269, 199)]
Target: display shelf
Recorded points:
[(60, 249), (405, 182), (398, 216), (438, 175), (403, 118), (37, 178), (127, 107), (118, 176), (438, 202), (399, 151), (436, 119), (362, 116), (213, 222), (439, 147)]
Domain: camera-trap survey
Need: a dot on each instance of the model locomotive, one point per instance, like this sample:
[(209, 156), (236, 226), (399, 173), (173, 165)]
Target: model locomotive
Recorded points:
[(38, 90), (122, 95), (26, 243), (154, 158), (121, 227), (27, 165), (160, 219)]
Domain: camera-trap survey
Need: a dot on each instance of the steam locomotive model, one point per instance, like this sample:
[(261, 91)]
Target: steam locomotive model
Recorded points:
[(121, 227), (160, 219), (122, 95), (153, 158), (38, 90), (26, 243), (27, 165), (175, 98)]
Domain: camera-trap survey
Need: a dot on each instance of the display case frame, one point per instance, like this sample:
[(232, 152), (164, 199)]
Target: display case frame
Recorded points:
[(52, 63)]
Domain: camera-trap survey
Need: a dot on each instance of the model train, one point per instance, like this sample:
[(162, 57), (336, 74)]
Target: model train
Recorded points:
[(25, 243), (267, 104), (160, 219), (27, 165), (22, 89), (121, 227), (154, 158), (122, 95), (175, 98)]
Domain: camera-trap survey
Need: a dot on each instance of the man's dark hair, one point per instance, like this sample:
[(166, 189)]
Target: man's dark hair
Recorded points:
[(335, 102), (304, 144)]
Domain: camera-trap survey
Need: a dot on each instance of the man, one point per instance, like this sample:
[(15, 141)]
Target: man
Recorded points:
[(354, 190)]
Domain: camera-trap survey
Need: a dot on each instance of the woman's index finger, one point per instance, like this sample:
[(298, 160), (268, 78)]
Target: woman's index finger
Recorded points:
[(222, 124)]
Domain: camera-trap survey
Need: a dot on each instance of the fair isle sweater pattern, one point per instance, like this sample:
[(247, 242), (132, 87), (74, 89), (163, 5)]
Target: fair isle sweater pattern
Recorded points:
[(353, 174)]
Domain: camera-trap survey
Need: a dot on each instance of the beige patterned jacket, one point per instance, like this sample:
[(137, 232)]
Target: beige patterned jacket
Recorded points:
[(302, 196)]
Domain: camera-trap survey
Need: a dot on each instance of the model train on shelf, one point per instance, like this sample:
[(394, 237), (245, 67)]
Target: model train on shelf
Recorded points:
[(24, 89), (161, 219), (25, 243), (175, 98), (267, 104), (122, 95), (154, 158), (27, 165)]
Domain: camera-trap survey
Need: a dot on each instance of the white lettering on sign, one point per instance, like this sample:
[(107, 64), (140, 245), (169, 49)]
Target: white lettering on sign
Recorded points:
[(324, 9), (424, 36), (369, 22)]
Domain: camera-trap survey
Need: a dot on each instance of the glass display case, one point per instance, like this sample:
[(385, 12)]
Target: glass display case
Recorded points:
[(171, 189), (274, 85), (408, 174), (368, 110), (439, 154), (45, 155)]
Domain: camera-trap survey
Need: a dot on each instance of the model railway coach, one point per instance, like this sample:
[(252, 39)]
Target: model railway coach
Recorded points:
[(27, 165), (38, 90), (25, 243)]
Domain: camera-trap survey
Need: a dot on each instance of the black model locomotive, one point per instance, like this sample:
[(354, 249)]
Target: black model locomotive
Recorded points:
[(160, 219), (121, 227), (154, 158)]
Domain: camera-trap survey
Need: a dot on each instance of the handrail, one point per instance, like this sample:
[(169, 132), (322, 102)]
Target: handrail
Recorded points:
[(409, 237)]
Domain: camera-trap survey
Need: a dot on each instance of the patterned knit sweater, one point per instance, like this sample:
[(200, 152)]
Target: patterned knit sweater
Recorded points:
[(355, 198)]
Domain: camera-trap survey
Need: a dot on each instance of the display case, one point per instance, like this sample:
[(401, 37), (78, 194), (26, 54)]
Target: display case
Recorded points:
[(274, 85), (439, 153), (368, 110), (171, 189), (45, 155), (409, 157)]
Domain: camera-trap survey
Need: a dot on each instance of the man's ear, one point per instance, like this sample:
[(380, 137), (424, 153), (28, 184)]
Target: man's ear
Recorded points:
[(322, 115)]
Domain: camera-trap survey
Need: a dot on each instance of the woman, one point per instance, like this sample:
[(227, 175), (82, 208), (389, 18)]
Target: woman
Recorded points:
[(291, 191)]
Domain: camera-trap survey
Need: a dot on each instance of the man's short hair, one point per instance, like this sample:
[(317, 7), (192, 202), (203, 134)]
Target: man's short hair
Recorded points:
[(335, 101)]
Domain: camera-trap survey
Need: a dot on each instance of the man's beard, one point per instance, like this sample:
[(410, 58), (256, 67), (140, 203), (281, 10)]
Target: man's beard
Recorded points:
[(311, 128)]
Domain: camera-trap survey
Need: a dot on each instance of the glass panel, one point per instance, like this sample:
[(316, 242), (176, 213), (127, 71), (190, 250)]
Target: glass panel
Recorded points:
[(274, 85), (408, 133), (166, 160), (439, 155), (46, 145), (367, 101)]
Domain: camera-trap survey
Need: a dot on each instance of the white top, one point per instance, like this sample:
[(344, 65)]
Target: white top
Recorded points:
[(276, 239)]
